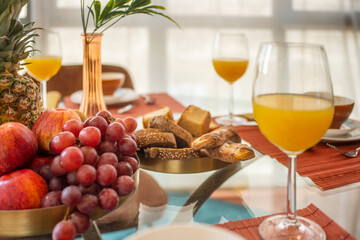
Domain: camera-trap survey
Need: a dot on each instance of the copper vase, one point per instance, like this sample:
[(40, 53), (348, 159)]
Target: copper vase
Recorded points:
[(92, 98)]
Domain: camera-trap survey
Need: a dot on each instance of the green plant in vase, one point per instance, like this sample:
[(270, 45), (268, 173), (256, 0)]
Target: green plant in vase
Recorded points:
[(103, 18)]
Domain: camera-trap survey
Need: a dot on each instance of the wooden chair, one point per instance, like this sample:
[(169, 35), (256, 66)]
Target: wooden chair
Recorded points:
[(69, 78)]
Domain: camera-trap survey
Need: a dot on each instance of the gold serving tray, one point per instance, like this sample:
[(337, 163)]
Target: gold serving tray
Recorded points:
[(40, 221), (194, 165), (181, 166)]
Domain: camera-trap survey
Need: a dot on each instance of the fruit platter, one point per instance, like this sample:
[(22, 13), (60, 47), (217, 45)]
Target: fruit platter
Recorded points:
[(65, 172)]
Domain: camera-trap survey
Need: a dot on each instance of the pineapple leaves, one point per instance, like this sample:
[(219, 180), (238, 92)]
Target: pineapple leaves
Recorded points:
[(114, 11)]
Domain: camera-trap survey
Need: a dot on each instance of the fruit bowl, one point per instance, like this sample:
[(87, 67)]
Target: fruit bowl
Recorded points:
[(40, 221)]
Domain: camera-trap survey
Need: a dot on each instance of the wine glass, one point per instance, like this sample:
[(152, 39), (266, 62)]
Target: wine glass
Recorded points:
[(293, 106), (45, 61), (230, 60)]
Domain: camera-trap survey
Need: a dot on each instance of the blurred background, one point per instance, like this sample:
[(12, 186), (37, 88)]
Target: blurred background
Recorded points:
[(163, 58)]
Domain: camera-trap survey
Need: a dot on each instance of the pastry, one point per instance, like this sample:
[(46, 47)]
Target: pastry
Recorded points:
[(183, 137), (215, 138), (149, 137), (230, 152), (171, 153), (195, 120), (163, 111)]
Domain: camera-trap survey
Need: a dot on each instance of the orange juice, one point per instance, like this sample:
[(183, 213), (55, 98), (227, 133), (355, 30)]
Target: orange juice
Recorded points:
[(43, 67), (292, 122), (230, 69)]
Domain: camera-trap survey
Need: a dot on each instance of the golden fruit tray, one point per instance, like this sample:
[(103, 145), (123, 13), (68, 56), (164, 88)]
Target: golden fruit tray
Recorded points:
[(40, 221)]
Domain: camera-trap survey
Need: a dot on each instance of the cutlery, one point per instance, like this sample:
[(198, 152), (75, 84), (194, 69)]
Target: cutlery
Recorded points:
[(147, 99), (125, 109), (351, 154)]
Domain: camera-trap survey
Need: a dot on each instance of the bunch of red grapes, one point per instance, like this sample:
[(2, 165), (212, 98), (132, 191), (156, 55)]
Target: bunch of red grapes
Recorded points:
[(93, 168)]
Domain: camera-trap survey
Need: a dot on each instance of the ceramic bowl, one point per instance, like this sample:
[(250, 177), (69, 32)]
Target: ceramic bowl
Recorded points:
[(111, 81), (343, 109)]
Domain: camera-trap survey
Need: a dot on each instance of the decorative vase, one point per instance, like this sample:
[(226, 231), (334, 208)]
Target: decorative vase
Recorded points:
[(92, 98)]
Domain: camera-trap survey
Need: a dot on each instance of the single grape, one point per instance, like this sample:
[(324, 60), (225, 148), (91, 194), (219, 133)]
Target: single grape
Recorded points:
[(132, 136), (90, 155), (71, 178), (127, 146), (55, 167), (115, 131), (123, 168), (86, 123), (106, 115), (130, 124), (71, 159), (71, 196), (108, 146), (81, 222), (120, 120), (90, 136), (62, 141), (86, 175), (124, 185), (108, 199), (106, 174), (107, 158), (88, 204), (57, 183), (133, 162), (74, 126), (64, 230), (93, 189), (46, 173), (51, 199), (100, 123)]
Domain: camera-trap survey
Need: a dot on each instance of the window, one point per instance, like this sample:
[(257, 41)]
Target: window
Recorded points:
[(161, 57)]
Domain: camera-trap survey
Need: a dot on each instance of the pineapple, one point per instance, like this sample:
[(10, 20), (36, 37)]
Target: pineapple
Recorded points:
[(20, 98)]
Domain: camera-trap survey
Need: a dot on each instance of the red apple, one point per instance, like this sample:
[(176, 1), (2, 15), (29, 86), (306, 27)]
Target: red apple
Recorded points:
[(22, 189), (49, 124), (40, 161), (18, 147)]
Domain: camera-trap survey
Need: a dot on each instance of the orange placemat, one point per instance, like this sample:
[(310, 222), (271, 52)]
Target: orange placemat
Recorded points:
[(248, 228), (140, 108), (325, 167)]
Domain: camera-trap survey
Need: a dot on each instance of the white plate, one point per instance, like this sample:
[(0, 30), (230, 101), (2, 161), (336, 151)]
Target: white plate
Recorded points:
[(121, 95), (348, 126), (185, 232), (348, 132)]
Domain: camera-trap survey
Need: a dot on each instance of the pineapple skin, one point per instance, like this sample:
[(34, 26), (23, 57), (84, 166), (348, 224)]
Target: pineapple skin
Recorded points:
[(20, 98)]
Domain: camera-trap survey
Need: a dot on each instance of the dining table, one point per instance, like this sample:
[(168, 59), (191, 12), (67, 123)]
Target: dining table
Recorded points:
[(235, 196)]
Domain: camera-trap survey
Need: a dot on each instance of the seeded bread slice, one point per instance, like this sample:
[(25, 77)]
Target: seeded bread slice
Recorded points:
[(183, 137), (171, 153), (151, 137)]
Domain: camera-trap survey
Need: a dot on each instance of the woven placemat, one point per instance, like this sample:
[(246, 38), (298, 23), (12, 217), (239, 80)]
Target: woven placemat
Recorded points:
[(325, 167), (248, 228)]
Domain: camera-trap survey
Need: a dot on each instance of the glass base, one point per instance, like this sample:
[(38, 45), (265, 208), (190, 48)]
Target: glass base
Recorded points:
[(279, 227), (231, 120)]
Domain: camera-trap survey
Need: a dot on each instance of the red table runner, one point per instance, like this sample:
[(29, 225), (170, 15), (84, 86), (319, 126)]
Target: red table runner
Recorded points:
[(325, 167), (248, 228), (140, 108)]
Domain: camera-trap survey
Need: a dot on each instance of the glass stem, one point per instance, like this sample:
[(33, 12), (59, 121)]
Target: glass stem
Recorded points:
[(43, 90), (291, 190), (231, 101)]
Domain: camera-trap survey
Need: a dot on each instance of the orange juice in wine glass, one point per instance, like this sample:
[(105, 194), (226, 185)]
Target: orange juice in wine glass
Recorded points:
[(45, 61), (230, 60), (43, 67), (297, 122), (293, 107), (230, 69)]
